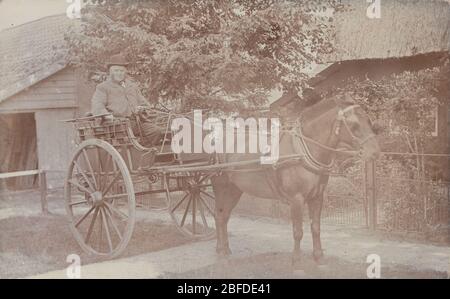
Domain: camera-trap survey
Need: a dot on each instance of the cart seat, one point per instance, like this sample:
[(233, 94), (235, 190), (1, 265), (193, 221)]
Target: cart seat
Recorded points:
[(165, 154)]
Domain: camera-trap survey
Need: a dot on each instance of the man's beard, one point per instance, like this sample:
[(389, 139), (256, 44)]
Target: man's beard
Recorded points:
[(118, 78)]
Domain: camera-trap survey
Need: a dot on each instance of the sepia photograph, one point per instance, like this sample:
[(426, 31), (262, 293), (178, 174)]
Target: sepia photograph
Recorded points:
[(209, 140)]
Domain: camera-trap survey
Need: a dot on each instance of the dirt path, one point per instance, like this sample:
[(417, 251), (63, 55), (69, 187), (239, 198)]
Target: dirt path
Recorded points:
[(33, 245), (277, 265)]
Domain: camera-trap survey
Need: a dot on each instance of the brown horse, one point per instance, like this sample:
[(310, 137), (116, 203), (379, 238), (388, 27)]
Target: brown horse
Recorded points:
[(316, 135)]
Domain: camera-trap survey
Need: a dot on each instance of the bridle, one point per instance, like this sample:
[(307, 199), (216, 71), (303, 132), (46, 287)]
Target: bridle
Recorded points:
[(341, 120)]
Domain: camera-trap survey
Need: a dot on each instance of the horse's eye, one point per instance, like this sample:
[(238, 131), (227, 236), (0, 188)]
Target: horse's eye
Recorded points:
[(377, 128), (356, 126)]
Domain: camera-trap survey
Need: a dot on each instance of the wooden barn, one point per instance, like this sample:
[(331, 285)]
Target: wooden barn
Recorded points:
[(37, 91)]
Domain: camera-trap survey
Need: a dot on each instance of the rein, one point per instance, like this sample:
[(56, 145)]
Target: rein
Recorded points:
[(312, 162), (307, 157)]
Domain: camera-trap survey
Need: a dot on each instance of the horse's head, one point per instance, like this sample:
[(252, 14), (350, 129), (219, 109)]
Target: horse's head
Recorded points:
[(355, 130)]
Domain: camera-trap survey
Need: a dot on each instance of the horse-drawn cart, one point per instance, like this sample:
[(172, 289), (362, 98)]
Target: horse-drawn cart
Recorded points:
[(100, 193), (110, 160)]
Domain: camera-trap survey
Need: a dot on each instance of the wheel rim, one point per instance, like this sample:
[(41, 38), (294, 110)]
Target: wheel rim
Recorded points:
[(100, 199), (191, 204)]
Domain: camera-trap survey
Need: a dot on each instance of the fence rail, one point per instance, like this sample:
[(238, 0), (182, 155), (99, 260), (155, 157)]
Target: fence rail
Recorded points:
[(42, 183), (394, 194)]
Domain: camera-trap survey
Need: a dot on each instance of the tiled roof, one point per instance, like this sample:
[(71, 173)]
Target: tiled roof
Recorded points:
[(31, 52)]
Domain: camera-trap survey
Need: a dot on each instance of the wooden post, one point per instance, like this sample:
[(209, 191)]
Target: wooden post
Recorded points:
[(43, 189), (371, 194)]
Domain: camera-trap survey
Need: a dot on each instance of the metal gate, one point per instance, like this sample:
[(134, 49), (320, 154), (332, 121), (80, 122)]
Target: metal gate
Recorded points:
[(363, 194)]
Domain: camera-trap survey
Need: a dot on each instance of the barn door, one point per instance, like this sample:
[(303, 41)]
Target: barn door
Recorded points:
[(19, 150)]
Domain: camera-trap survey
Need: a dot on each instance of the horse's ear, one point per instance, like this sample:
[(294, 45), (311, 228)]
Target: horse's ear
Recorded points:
[(377, 127)]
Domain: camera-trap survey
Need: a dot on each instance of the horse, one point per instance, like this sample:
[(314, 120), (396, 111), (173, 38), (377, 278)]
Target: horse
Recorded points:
[(315, 135)]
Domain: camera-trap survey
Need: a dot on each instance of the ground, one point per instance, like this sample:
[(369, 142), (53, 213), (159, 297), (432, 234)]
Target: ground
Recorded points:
[(36, 245)]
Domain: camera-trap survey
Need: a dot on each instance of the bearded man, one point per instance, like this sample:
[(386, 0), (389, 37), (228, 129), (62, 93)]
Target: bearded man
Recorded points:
[(120, 96)]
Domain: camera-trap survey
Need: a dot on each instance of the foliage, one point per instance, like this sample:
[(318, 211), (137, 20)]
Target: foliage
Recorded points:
[(225, 55), (405, 104), (403, 101), (408, 187)]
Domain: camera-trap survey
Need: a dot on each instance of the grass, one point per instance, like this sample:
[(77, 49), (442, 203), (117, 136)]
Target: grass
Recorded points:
[(38, 244)]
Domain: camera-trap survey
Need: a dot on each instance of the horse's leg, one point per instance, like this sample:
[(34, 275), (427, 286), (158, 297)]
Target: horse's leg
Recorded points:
[(297, 206), (315, 209), (227, 196)]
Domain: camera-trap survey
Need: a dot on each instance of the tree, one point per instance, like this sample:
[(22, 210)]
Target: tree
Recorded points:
[(404, 103), (223, 54)]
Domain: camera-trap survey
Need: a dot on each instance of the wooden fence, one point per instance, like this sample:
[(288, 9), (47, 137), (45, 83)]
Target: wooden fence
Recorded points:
[(42, 183)]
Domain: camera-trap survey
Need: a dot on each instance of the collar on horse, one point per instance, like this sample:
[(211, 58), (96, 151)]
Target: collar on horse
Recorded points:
[(310, 161)]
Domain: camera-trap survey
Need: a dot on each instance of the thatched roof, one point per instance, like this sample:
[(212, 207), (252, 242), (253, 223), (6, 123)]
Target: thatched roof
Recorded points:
[(406, 28), (335, 76)]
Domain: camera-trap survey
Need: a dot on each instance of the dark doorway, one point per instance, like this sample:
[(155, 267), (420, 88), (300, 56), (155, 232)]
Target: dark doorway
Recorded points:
[(18, 149)]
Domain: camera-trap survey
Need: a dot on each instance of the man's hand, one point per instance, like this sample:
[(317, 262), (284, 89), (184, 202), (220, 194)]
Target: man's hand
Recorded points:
[(140, 109), (108, 117)]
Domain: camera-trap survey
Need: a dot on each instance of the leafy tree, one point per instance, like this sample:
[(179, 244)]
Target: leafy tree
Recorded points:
[(218, 54)]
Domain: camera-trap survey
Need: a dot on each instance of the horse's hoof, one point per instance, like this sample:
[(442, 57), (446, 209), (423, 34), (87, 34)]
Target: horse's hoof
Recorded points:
[(319, 258), (321, 262)]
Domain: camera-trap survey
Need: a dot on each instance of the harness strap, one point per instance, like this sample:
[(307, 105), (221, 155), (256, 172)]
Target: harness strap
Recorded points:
[(310, 162), (310, 157)]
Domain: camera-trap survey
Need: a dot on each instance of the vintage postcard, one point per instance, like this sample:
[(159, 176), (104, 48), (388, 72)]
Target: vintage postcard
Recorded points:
[(204, 139)]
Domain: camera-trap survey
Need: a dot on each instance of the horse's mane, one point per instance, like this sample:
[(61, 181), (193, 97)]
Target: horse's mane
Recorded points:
[(315, 107)]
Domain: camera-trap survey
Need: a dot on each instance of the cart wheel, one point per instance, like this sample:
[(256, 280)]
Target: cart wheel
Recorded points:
[(100, 199), (191, 204)]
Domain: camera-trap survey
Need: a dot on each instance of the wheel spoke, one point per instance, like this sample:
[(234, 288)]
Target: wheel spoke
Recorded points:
[(108, 159), (202, 212), (85, 155), (203, 179), (101, 229), (207, 194), (207, 206), (106, 171), (186, 211), (75, 183), (203, 185), (91, 226), (115, 196), (179, 203), (84, 217), (194, 201), (84, 176), (105, 224), (78, 202), (111, 183), (108, 213), (100, 166), (113, 209)]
